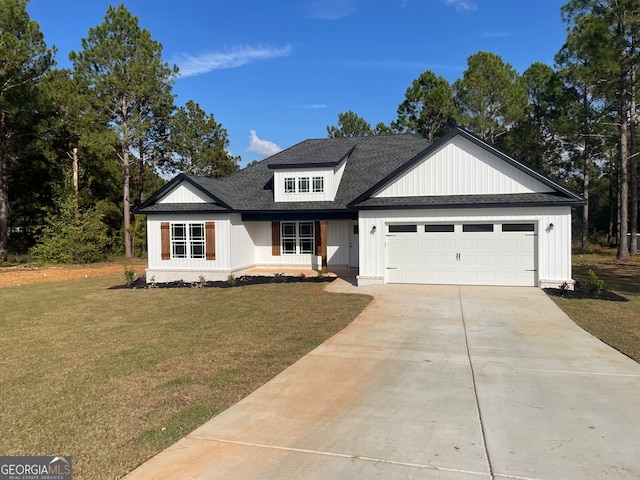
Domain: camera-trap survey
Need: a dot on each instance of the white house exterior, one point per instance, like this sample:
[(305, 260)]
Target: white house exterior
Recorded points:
[(398, 209)]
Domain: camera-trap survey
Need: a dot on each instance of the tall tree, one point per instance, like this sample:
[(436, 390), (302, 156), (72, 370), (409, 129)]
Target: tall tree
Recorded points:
[(489, 97), (428, 107), (534, 138), (200, 143), (122, 70), (24, 59), (349, 125), (610, 27), (584, 122)]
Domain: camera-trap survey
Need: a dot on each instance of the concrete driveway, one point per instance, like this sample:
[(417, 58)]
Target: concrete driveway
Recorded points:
[(432, 382)]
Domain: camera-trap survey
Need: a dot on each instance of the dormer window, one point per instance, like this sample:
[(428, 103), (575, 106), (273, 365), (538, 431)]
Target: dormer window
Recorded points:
[(289, 185), (318, 184), (303, 185)]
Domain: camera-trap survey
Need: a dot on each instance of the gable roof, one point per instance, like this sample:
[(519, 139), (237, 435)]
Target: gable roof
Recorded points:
[(372, 163)]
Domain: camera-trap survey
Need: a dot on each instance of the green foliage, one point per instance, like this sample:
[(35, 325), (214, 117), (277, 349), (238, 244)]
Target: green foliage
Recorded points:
[(533, 139), (595, 284), (349, 125), (71, 239), (428, 107), (490, 96), (200, 143), (231, 280), (24, 60), (129, 275), (127, 87)]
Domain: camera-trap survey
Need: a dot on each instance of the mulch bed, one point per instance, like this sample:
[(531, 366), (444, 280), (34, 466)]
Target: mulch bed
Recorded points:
[(239, 282), (581, 291)]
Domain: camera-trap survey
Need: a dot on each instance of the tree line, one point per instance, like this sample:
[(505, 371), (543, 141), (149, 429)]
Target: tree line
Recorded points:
[(575, 121), (80, 148)]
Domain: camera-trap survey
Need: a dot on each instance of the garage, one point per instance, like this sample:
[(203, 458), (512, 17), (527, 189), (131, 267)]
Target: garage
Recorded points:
[(462, 253)]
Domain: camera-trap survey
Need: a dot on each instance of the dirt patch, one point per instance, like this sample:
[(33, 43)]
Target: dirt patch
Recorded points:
[(27, 275)]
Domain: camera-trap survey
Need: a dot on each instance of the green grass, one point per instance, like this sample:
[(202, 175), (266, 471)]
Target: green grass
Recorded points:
[(615, 323), (113, 376)]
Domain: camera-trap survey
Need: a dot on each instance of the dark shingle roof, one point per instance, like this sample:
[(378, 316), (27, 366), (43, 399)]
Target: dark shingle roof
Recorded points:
[(371, 162), (461, 201)]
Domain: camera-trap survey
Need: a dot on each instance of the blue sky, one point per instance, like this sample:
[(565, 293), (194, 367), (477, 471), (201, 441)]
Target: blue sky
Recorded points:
[(277, 72)]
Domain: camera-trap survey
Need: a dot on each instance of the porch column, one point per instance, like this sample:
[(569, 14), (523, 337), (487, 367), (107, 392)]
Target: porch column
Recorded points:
[(323, 244)]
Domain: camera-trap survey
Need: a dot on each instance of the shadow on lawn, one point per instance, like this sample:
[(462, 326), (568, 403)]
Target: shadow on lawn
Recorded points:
[(141, 283)]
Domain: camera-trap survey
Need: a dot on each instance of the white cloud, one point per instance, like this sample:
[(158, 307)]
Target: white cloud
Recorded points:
[(234, 57), (331, 9), (262, 147), (463, 5)]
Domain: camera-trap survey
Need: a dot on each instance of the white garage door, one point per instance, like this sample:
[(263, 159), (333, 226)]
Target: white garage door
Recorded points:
[(462, 253)]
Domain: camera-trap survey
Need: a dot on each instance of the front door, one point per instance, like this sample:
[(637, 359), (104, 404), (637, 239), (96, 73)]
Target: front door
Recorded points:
[(354, 246)]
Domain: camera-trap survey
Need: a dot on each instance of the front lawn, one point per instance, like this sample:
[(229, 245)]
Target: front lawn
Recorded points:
[(113, 376), (616, 323)]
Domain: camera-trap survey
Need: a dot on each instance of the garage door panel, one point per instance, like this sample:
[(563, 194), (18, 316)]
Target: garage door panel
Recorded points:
[(462, 257)]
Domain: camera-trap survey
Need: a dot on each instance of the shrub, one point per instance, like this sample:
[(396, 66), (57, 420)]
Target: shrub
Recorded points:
[(231, 280), (595, 284), (71, 239), (129, 275)]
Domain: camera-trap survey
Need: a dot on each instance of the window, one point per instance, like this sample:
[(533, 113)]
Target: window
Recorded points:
[(518, 227), (403, 228), (297, 238), (318, 184), (187, 240), (438, 228), (303, 185), (477, 227), (289, 185), (196, 237)]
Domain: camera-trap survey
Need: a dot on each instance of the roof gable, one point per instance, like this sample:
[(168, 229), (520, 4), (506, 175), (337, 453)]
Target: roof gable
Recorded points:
[(461, 167), (185, 192), (504, 175)]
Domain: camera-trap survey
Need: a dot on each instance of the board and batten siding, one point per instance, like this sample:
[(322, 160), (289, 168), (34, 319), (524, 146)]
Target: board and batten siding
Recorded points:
[(243, 252), (331, 176), (337, 246), (186, 193), (553, 244), (185, 269), (461, 167)]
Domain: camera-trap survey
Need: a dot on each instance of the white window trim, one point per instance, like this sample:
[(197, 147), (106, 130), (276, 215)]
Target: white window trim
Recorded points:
[(297, 238), (286, 184), (188, 242), (320, 181)]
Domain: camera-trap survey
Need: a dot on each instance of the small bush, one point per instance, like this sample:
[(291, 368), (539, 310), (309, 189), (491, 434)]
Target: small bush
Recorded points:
[(202, 281), (595, 284), (231, 280), (564, 288), (129, 275)]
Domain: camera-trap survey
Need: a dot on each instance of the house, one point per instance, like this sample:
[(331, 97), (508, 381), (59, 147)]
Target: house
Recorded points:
[(397, 209)]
